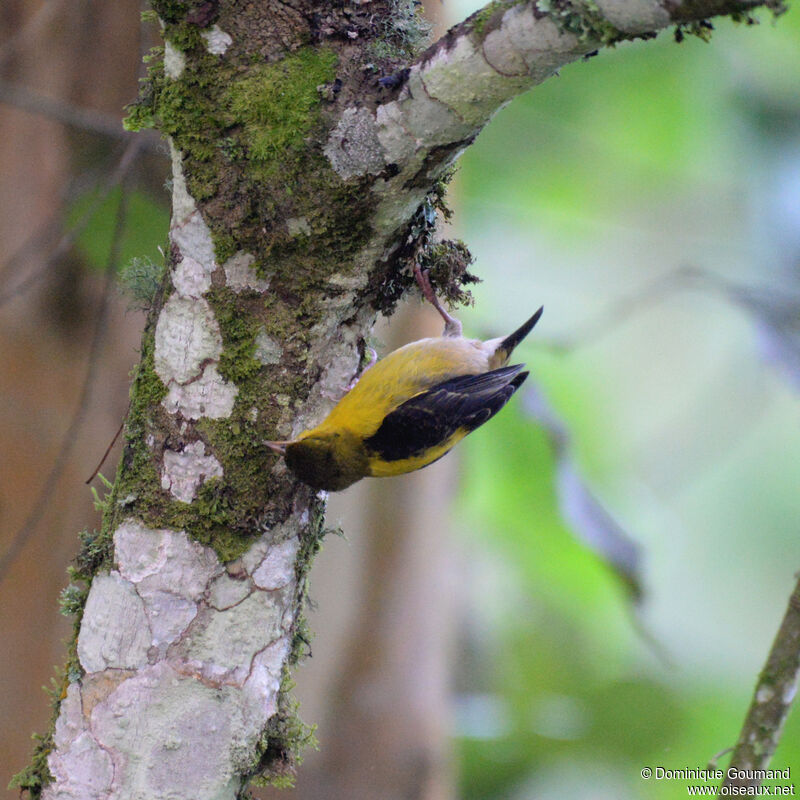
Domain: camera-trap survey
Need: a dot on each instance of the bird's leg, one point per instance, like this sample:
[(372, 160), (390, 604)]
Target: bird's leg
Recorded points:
[(452, 326)]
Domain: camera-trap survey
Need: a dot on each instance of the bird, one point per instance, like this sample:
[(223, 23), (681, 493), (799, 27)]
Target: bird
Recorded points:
[(411, 407)]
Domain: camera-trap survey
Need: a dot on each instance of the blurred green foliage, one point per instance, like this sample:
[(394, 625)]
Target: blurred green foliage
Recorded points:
[(561, 695), (643, 117), (146, 224)]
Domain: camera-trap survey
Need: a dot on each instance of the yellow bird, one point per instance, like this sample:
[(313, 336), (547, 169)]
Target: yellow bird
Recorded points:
[(410, 408)]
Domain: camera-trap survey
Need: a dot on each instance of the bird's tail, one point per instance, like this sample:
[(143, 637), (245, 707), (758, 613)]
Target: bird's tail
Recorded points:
[(507, 345)]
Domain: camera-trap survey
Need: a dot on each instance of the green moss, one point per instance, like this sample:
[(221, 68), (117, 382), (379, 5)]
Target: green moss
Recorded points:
[(170, 10), (225, 245), (210, 520), (246, 131), (137, 468), (244, 136), (239, 330), (274, 103), (223, 514), (95, 553), (701, 29), (72, 599), (37, 774), (187, 109), (141, 114), (480, 18), (584, 19), (282, 742)]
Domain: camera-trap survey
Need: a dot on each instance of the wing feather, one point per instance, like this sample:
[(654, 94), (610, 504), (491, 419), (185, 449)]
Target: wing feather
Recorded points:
[(433, 416)]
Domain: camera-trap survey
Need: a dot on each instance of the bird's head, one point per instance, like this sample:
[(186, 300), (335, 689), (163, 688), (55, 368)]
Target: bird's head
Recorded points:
[(329, 461)]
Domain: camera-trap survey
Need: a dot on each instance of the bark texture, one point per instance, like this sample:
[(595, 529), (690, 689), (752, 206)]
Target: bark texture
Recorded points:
[(772, 700), (308, 146)]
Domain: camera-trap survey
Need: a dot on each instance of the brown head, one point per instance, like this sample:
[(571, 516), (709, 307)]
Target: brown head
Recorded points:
[(329, 461)]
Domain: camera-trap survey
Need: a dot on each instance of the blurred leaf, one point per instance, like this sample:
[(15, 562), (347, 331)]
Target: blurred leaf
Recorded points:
[(584, 513), (777, 320), (598, 529), (145, 228), (587, 175)]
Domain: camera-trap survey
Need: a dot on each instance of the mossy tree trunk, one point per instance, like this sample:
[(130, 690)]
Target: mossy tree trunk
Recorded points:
[(310, 144)]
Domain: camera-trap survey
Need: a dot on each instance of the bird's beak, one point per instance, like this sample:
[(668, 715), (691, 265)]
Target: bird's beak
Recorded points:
[(278, 447)]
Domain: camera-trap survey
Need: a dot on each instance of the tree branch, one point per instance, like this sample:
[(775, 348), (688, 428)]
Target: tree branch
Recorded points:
[(86, 119), (461, 81), (772, 700)]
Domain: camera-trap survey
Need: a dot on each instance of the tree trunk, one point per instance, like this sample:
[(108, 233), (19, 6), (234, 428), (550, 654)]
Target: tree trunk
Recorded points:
[(309, 149)]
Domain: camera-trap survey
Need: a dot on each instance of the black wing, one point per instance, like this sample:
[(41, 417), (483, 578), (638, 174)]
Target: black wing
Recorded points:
[(430, 418)]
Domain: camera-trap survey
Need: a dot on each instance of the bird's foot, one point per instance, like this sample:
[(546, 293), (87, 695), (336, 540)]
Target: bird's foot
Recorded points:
[(452, 326)]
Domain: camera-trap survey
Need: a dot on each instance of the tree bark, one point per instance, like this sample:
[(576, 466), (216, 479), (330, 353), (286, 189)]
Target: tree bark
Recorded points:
[(309, 145), (772, 700)]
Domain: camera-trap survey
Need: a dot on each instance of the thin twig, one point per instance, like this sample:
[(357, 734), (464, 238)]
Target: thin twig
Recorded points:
[(108, 449), (86, 119), (61, 111), (625, 308), (68, 239), (37, 241), (42, 501), (771, 702), (652, 292)]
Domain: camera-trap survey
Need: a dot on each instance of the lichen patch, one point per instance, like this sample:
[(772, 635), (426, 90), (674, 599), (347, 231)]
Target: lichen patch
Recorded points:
[(187, 335), (114, 632), (643, 16), (174, 61), (183, 204), (220, 646), (267, 351), (353, 147), (82, 769), (185, 471), (226, 592), (164, 559), (190, 278), (241, 275), (277, 569), (217, 41), (209, 396), (193, 238)]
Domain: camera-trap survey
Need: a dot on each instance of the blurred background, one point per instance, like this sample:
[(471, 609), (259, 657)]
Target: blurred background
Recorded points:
[(587, 586)]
